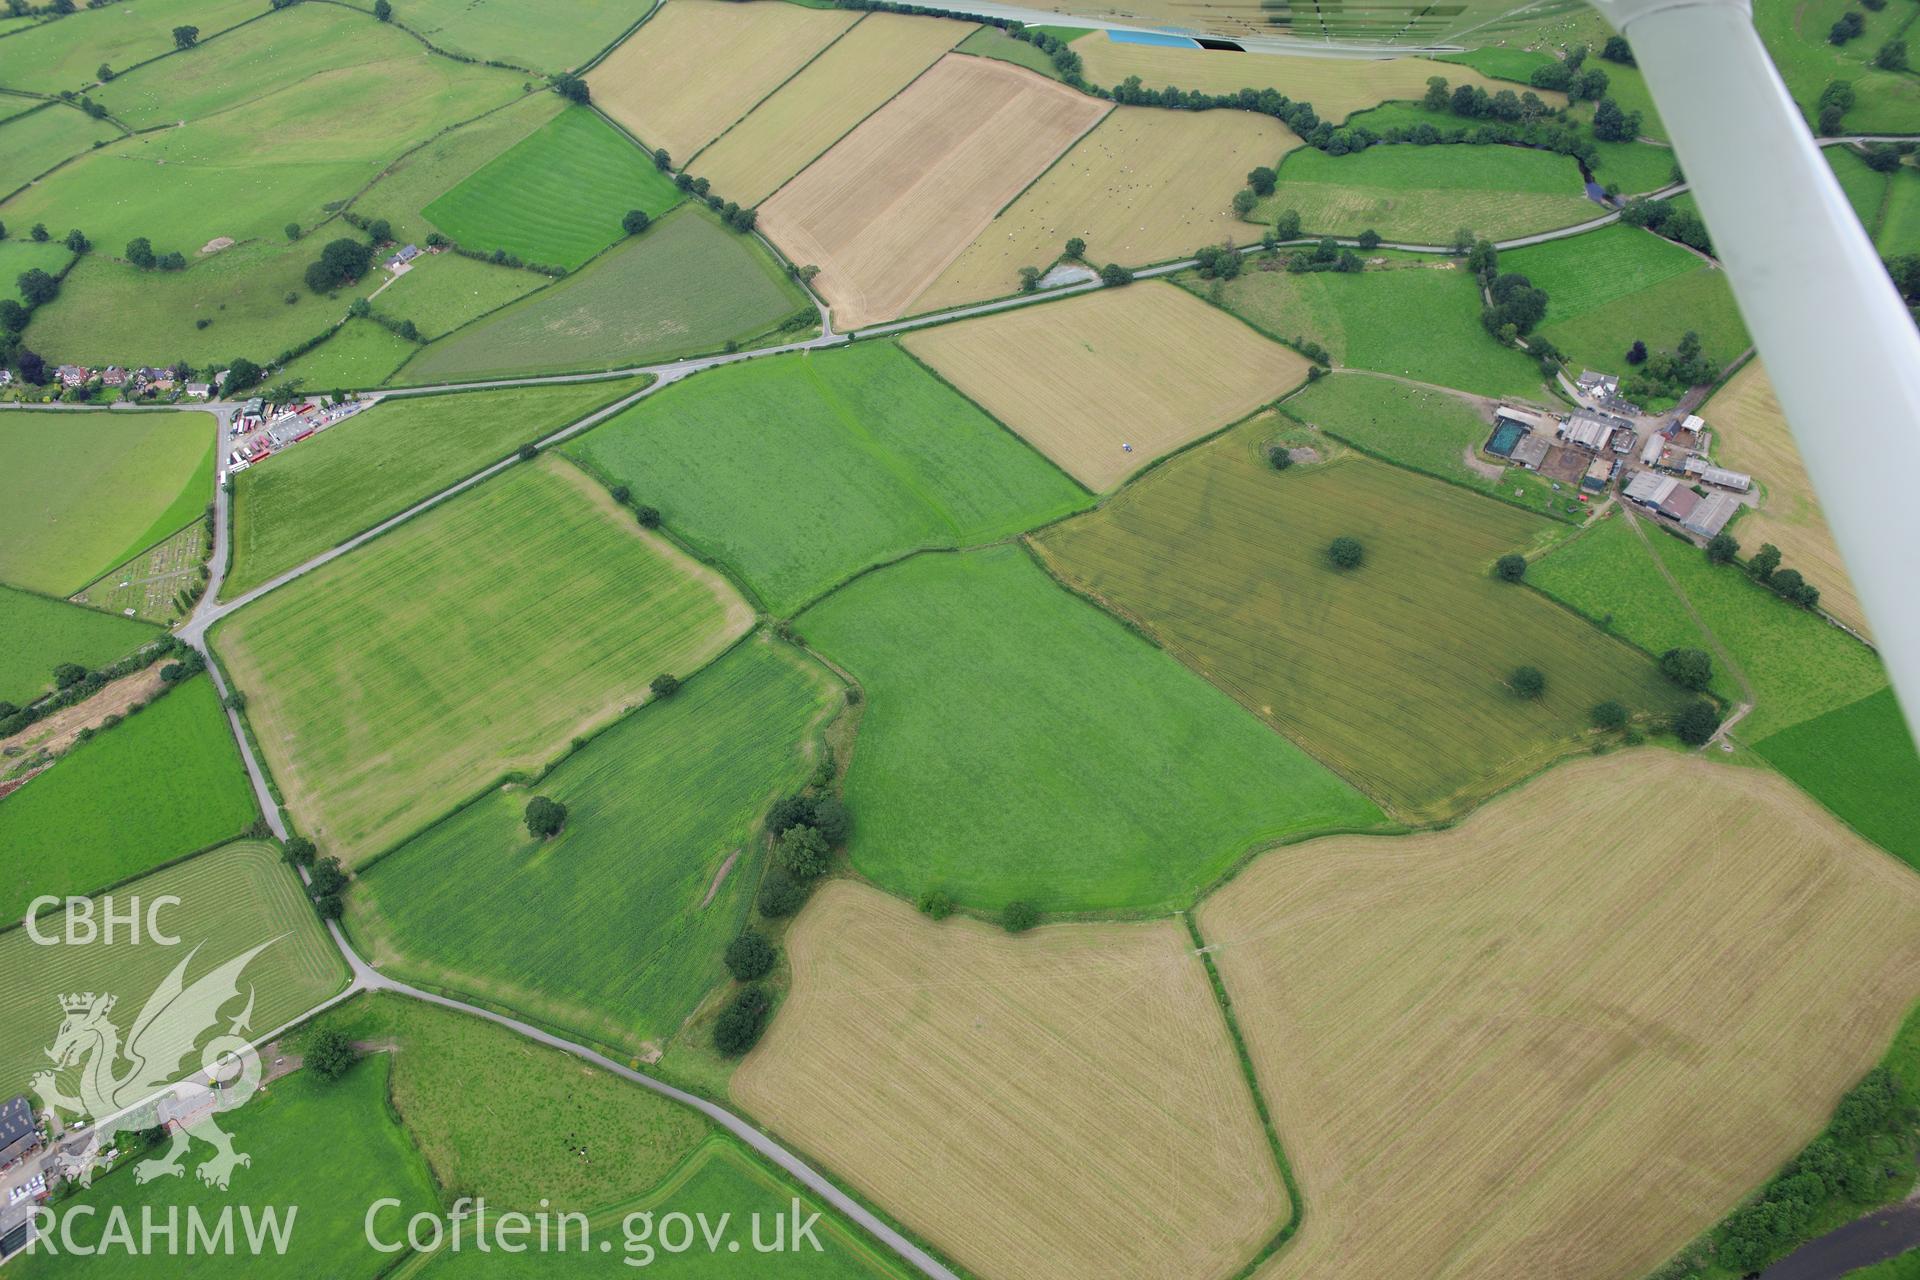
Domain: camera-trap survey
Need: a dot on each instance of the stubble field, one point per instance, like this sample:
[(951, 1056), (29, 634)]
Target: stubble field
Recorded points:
[(697, 66), (1626, 993), (894, 202), (855, 76), (1150, 366), (1036, 1106), (390, 685), (1144, 186)]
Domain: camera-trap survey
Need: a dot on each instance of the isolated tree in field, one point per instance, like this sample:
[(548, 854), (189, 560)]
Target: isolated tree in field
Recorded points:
[(1697, 722), (1722, 549), (1608, 716), (1287, 225), (37, 288), (1262, 180), (545, 817), (1637, 353), (749, 956), (382, 10), (329, 1054), (340, 261), (1279, 457), (379, 231), (1511, 567), (1243, 201), (1345, 553), (803, 851), (1076, 248), (1616, 49), (635, 221), (1892, 56), (185, 37), (1369, 239), (1527, 682), (740, 1024), (1018, 917), (1688, 668), (1764, 562), (664, 685)]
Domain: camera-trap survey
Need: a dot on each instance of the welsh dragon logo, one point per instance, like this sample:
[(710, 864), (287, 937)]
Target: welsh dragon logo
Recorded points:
[(128, 1086)]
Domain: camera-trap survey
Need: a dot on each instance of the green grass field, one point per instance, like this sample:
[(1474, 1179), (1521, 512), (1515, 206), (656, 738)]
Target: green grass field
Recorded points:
[(348, 478), (157, 786), (19, 254), (231, 899), (93, 489), (360, 354), (41, 140), (443, 291), (66, 54), (282, 118), (477, 639), (331, 1148), (1394, 673), (1418, 321), (1859, 761), (589, 1139), (966, 779), (686, 286), (1631, 166), (607, 929), (556, 196), (874, 456), (111, 313), (1424, 429), (1795, 33), (43, 633), (1800, 667), (1612, 286), (1899, 230), (550, 37), (991, 42), (721, 1178), (1422, 195), (1517, 65)]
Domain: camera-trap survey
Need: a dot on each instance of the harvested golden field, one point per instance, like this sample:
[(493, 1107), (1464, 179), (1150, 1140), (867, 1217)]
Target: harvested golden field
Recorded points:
[(1337, 87), (697, 66), (1147, 365), (1752, 435), (843, 86), (1624, 994), (1036, 1106), (893, 203), (1145, 186)]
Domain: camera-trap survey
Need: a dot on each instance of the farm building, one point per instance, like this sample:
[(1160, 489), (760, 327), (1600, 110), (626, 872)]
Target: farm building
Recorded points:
[(1531, 451), (403, 257), (1598, 474), (1526, 419), (1599, 384), (19, 1131), (1648, 488), (1679, 503), (1512, 424), (1597, 431), (1720, 477), (1711, 515)]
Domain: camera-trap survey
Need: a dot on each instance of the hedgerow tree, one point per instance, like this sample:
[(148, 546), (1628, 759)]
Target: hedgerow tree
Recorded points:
[(382, 11), (635, 221), (803, 851), (572, 88), (1018, 917), (781, 894), (1608, 716), (1115, 274), (750, 956), (1723, 548), (1688, 668), (1511, 567), (1763, 562), (1262, 180), (185, 37), (299, 851), (327, 885), (1076, 247), (140, 253), (1346, 553), (935, 904), (1287, 225), (740, 1024), (329, 1054), (664, 685), (77, 241), (1697, 722), (1528, 682), (1369, 239), (545, 817)]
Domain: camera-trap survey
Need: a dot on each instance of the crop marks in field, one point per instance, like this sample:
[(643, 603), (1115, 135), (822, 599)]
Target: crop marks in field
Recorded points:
[(1424, 195), (855, 76), (477, 639), (614, 927), (384, 459), (557, 195), (686, 286), (92, 489), (1395, 673), (1036, 1106), (1579, 1007), (964, 781), (161, 784), (876, 457), (699, 65), (894, 202), (1144, 186), (231, 900), (1106, 382)]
